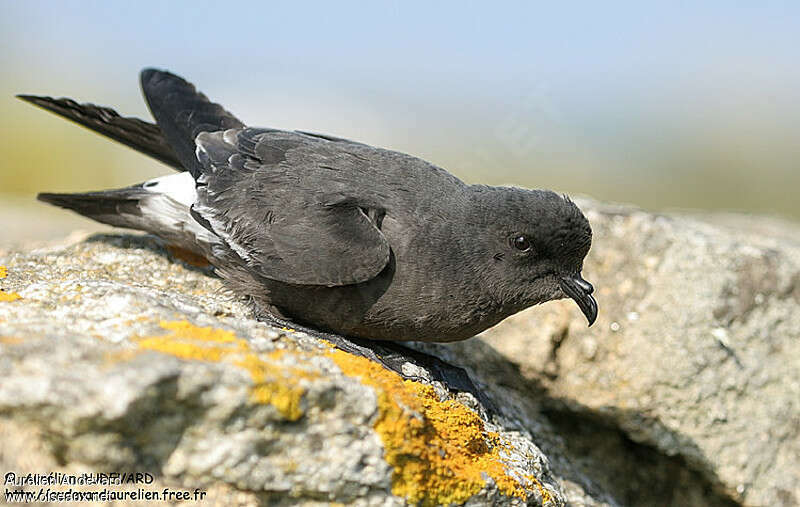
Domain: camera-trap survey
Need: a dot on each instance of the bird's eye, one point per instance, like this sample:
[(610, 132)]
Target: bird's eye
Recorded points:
[(521, 243)]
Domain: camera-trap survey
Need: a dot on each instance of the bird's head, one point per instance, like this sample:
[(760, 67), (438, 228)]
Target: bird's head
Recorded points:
[(537, 241)]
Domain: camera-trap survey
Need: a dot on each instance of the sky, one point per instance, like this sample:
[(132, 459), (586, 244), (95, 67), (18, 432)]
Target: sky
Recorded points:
[(660, 104)]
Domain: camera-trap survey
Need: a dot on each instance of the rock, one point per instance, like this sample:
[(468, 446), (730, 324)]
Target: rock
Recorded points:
[(119, 356), (695, 355)]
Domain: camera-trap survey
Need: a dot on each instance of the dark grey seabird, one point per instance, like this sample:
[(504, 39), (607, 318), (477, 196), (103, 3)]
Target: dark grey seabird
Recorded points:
[(334, 234)]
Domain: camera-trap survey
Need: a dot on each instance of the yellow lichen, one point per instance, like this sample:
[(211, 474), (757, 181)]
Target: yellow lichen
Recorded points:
[(440, 450), (284, 394), (9, 296), (546, 496), (274, 384)]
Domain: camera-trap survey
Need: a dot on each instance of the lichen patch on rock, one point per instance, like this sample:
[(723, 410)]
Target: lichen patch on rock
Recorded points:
[(440, 449), (273, 383), (7, 296)]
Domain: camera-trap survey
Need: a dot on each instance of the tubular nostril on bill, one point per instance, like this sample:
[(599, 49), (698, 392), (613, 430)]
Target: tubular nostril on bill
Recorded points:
[(584, 285)]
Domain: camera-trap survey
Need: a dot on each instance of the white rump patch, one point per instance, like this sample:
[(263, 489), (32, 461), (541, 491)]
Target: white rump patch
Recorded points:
[(178, 187)]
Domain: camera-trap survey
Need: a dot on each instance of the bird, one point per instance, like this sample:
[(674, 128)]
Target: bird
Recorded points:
[(332, 234)]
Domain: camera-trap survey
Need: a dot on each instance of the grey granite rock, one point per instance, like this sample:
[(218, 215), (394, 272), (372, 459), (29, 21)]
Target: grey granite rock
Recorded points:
[(119, 356), (695, 356)]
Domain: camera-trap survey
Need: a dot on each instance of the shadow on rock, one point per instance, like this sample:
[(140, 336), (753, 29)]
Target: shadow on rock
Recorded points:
[(585, 445), (187, 259)]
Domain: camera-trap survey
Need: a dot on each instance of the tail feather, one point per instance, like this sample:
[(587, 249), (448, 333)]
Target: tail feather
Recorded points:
[(138, 134), (182, 113), (141, 207), (119, 208)]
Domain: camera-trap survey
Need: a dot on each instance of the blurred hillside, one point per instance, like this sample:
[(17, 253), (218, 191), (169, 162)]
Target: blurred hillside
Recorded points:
[(661, 106)]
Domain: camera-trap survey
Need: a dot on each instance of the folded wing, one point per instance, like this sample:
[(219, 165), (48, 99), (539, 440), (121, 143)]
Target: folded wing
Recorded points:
[(278, 200)]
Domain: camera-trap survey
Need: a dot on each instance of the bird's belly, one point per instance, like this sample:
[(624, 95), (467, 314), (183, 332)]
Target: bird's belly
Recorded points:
[(387, 308), (419, 296)]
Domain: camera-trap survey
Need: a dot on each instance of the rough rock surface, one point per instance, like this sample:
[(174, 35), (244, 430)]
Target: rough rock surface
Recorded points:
[(696, 352), (116, 354)]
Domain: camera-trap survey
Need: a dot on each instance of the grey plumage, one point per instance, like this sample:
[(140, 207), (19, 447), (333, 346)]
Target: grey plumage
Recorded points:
[(339, 235), (182, 113)]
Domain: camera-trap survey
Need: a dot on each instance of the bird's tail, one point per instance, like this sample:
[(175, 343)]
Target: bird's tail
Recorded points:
[(138, 134), (160, 206), (120, 207)]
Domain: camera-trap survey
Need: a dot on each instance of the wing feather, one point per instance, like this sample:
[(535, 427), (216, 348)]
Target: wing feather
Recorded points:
[(138, 134), (264, 192)]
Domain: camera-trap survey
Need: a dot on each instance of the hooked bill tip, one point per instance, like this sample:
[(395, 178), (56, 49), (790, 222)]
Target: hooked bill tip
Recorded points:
[(580, 291)]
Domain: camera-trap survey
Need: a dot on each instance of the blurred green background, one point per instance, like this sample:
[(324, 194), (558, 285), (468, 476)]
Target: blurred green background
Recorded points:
[(665, 105)]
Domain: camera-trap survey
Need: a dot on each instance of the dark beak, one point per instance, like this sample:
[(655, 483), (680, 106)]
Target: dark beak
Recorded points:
[(581, 291)]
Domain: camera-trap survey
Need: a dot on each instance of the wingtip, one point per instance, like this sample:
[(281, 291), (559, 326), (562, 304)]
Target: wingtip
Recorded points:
[(37, 100), (150, 76), (49, 198), (148, 72)]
